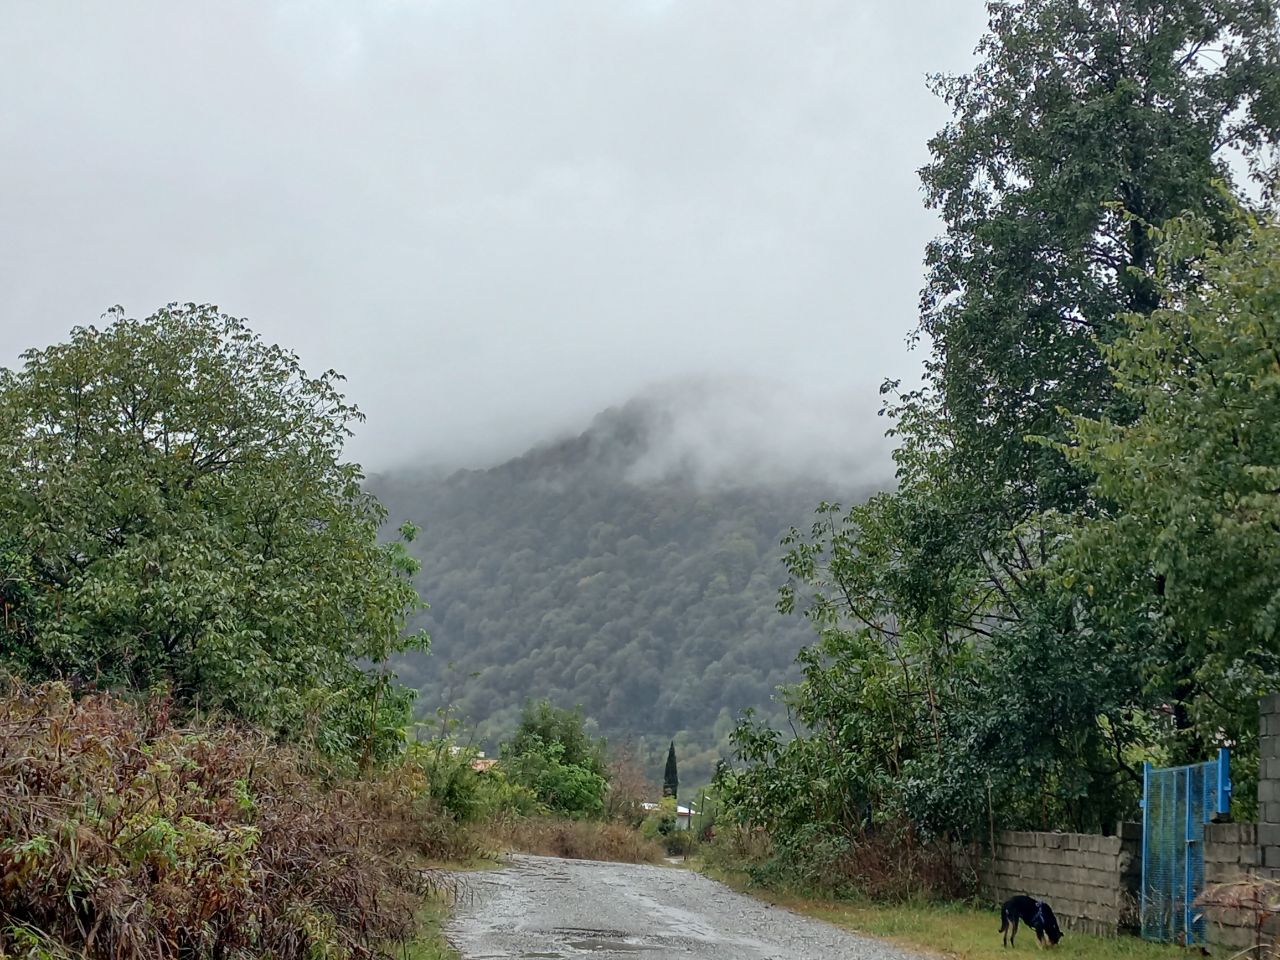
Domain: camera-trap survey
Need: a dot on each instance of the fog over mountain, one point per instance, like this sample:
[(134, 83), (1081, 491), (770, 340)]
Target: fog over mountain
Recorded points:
[(614, 283), (725, 432)]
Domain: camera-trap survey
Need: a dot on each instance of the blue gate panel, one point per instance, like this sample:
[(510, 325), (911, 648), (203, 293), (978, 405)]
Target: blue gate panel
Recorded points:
[(1177, 803)]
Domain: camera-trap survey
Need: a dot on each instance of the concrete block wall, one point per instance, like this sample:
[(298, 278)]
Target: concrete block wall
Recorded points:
[(1230, 853), (1242, 851), (1092, 881), (1089, 880), (1269, 785)]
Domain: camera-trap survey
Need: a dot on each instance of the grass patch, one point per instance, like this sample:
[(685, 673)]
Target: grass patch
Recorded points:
[(950, 929), (961, 930), (430, 943)]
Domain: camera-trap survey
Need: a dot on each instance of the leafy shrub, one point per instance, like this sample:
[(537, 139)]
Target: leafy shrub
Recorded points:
[(552, 755), (128, 837), (469, 795), (663, 826), (889, 863), (174, 508), (662, 821)]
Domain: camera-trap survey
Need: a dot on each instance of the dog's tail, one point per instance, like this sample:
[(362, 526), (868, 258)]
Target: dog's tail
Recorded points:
[(1004, 923)]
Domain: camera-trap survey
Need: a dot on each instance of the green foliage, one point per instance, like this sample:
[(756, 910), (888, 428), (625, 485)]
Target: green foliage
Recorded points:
[(1080, 116), (1187, 539), (552, 755), (663, 826), (560, 574), (466, 794), (999, 638), (175, 510)]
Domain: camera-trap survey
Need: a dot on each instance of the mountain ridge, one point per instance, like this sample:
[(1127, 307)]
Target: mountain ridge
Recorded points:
[(579, 572)]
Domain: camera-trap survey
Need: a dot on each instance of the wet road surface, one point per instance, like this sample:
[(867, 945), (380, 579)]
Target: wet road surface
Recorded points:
[(539, 907)]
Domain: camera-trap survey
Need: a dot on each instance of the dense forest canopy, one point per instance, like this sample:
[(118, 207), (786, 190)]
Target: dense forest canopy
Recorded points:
[(649, 600)]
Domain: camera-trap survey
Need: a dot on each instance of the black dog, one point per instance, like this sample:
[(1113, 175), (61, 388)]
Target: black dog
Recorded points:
[(1036, 914)]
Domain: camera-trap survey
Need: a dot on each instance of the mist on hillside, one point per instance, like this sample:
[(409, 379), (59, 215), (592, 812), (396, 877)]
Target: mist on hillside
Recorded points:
[(720, 432)]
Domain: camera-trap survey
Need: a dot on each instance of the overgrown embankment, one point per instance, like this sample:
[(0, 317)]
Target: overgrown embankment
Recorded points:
[(129, 836)]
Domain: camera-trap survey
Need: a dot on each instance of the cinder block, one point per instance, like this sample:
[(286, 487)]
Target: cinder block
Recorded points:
[(1267, 834), (1269, 791), (1109, 845), (1222, 833), (1271, 857), (1270, 704)]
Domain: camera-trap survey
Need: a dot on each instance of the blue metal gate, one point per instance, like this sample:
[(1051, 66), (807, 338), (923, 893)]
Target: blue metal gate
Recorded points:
[(1177, 803)]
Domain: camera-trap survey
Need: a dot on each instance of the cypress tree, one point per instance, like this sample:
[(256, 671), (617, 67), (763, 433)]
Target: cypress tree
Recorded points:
[(671, 776)]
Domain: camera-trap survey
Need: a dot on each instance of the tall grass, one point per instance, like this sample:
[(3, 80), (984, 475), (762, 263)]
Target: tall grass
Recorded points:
[(575, 839)]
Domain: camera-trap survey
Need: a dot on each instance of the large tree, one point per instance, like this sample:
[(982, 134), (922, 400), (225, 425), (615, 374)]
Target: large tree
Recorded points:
[(1083, 121), (947, 628), (174, 508)]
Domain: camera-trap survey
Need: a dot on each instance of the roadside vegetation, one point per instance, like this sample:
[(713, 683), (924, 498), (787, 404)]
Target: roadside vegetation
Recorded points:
[(129, 834), (204, 751), (1076, 572)]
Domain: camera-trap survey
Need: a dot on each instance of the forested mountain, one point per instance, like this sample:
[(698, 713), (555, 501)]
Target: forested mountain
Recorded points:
[(583, 573)]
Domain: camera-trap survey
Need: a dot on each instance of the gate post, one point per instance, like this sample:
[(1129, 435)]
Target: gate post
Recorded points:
[(1146, 829), (1188, 928), (1224, 781)]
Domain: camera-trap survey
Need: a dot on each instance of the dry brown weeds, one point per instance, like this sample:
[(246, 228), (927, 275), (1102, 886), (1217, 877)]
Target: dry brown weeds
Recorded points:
[(125, 836)]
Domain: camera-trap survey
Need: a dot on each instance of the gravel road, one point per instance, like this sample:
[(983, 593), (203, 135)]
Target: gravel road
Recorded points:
[(543, 907)]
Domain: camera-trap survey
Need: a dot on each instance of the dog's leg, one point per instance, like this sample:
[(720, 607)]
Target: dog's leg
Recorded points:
[(1014, 933)]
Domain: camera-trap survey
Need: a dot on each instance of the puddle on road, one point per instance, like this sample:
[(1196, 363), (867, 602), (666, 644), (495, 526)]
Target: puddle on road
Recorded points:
[(614, 941), (616, 946)]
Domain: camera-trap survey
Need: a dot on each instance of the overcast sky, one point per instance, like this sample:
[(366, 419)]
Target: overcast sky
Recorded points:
[(494, 218)]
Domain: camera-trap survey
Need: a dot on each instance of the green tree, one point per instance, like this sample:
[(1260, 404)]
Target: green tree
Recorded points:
[(945, 630), (552, 754), (1186, 540), (671, 774), (176, 510), (1081, 116), (1081, 121)]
